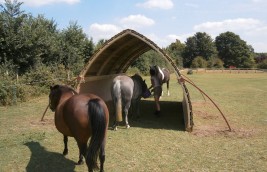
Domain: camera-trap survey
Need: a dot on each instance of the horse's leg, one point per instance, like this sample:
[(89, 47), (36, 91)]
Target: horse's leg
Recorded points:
[(117, 109), (168, 88), (126, 108), (102, 156), (115, 123), (131, 110), (82, 152), (137, 104), (162, 93), (65, 152)]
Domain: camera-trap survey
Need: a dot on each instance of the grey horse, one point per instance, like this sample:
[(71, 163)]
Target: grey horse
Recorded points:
[(126, 92)]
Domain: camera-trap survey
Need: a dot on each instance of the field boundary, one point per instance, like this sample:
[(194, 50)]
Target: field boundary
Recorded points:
[(226, 70)]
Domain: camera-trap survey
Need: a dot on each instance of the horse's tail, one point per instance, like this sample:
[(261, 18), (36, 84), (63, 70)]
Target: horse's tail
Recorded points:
[(117, 100), (98, 125)]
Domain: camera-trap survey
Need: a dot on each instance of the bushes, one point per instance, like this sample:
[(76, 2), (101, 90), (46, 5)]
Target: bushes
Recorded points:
[(199, 62), (132, 71), (34, 83), (8, 92), (263, 64)]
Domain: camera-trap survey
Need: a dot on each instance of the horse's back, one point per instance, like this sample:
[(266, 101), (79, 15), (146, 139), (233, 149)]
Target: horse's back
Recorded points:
[(122, 84), (166, 73), (124, 80), (76, 115)]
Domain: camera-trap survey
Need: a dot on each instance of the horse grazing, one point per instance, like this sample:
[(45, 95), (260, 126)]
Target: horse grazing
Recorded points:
[(125, 92), (163, 75), (81, 116)]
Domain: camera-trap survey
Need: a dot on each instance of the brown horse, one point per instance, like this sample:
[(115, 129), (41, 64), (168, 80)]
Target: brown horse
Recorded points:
[(81, 116)]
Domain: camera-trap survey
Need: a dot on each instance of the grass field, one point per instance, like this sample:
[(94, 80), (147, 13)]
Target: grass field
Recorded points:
[(154, 144)]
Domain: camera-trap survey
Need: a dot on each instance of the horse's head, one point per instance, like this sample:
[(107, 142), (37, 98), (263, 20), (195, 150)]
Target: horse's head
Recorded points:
[(54, 96), (145, 91), (56, 93), (153, 70), (156, 71)]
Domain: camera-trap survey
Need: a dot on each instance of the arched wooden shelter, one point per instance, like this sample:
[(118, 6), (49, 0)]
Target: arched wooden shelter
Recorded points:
[(115, 57)]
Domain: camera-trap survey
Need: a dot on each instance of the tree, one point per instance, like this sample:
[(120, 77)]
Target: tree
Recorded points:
[(26, 41), (88, 49), (99, 44), (263, 64), (75, 48), (234, 51), (199, 62), (175, 50), (147, 59), (40, 39), (201, 44), (12, 18), (215, 63)]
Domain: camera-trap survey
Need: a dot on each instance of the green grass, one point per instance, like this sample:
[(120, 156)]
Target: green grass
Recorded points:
[(154, 144)]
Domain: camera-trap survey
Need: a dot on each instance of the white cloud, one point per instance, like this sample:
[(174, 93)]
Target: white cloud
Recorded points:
[(253, 31), (103, 31), (48, 2), (136, 21), (157, 40), (182, 37), (106, 31), (260, 46), (191, 5), (162, 4), (164, 41), (257, 1), (259, 32), (228, 25)]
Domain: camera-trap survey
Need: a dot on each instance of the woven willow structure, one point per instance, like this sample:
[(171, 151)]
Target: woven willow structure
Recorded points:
[(115, 57)]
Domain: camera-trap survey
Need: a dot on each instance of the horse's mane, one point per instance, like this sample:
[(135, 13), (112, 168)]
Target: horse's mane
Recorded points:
[(65, 87), (158, 72), (155, 68), (137, 77)]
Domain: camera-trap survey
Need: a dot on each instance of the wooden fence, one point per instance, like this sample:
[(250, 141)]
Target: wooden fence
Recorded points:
[(227, 70)]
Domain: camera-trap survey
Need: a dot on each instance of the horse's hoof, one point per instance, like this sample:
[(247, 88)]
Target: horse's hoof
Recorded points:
[(127, 126), (65, 152), (115, 128), (80, 162)]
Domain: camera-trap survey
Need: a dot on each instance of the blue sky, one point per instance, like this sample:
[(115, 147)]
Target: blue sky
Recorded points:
[(162, 21)]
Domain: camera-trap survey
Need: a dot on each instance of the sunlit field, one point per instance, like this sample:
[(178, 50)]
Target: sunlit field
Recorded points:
[(154, 143)]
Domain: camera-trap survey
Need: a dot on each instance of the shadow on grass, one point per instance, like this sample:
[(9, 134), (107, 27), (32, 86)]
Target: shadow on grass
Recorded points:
[(171, 117), (42, 160)]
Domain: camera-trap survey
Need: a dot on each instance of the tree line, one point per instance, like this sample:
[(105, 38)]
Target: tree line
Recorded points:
[(33, 51), (201, 51), (27, 42)]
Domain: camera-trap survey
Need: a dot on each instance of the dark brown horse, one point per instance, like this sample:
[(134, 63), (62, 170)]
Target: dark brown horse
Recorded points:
[(81, 116)]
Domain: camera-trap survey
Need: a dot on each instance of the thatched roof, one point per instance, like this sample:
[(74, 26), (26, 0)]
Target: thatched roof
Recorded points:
[(115, 57), (117, 54)]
